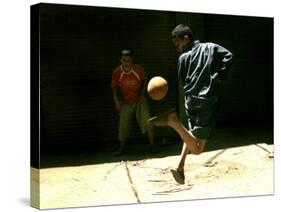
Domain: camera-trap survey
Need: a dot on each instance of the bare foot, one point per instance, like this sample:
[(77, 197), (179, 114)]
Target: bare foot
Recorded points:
[(178, 176), (164, 119)]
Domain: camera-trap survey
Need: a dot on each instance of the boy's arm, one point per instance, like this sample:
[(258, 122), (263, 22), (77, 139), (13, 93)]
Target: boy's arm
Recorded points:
[(143, 85), (115, 89), (224, 57), (115, 98)]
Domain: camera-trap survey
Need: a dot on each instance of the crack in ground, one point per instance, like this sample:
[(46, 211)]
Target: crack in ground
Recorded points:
[(131, 183)]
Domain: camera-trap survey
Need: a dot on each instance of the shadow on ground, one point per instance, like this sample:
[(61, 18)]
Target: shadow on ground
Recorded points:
[(223, 138)]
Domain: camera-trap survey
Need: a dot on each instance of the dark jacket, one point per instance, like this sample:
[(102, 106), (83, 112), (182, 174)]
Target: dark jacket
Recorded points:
[(201, 70)]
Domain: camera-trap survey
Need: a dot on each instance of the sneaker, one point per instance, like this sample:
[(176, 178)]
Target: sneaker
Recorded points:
[(178, 176), (162, 119)]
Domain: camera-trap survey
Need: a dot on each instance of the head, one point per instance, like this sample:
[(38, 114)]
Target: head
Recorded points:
[(126, 59), (182, 36)]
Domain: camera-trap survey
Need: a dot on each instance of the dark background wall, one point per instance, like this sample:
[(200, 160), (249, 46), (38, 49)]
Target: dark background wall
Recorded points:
[(249, 90), (79, 48)]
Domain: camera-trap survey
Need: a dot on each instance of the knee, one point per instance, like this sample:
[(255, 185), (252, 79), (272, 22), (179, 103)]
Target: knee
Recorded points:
[(197, 151), (199, 148)]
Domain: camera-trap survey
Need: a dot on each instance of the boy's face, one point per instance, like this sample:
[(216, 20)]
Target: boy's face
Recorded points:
[(127, 62), (181, 43)]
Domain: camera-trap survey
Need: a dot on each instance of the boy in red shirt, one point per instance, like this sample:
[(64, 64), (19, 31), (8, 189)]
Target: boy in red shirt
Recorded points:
[(129, 80)]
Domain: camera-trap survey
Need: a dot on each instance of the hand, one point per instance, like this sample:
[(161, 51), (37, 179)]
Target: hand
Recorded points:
[(141, 98), (117, 106)]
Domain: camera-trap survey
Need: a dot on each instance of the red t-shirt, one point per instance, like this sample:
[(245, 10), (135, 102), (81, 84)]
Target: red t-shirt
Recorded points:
[(129, 83)]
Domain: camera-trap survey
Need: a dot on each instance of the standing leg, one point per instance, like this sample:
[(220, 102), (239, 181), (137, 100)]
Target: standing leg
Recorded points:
[(142, 115), (178, 174), (126, 113), (150, 134), (183, 155), (191, 143)]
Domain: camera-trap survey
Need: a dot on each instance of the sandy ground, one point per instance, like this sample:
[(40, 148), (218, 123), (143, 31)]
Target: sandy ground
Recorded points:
[(231, 172)]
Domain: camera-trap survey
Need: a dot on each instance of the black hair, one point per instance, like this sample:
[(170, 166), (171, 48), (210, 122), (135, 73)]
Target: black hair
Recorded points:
[(181, 30)]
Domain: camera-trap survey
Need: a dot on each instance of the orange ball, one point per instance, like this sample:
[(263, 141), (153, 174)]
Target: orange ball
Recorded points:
[(157, 88)]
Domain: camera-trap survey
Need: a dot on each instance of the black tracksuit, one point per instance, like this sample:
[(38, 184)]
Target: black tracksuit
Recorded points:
[(202, 67)]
